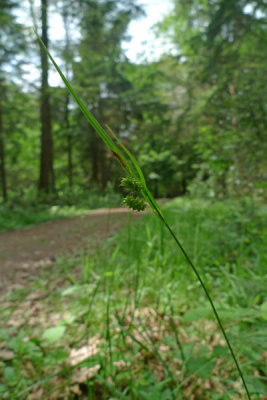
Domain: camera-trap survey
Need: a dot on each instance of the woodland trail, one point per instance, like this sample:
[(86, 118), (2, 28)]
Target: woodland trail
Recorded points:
[(24, 251)]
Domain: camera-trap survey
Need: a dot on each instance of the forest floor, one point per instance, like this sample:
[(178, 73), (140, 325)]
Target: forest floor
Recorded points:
[(95, 307), (24, 251)]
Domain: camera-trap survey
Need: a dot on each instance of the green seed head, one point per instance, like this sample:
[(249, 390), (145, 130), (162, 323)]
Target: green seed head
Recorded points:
[(136, 203), (132, 184)]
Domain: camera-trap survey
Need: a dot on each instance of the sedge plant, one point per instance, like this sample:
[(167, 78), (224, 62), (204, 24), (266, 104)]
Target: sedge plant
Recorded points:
[(139, 195)]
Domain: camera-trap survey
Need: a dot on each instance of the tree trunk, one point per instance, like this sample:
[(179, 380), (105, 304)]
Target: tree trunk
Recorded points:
[(94, 154), (46, 181), (2, 159), (104, 169), (69, 140), (65, 16)]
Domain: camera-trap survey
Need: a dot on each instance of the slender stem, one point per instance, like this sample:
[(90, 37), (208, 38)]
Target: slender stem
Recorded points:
[(176, 335), (212, 305)]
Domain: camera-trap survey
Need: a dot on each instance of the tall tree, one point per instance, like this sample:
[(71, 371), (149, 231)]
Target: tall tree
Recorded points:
[(11, 42), (2, 155), (69, 11), (220, 44), (46, 180), (103, 27), (67, 54)]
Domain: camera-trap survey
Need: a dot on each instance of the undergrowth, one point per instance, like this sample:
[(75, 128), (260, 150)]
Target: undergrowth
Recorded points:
[(130, 321), (33, 210)]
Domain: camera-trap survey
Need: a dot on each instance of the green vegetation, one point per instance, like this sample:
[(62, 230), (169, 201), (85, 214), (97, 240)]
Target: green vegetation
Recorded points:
[(17, 214), (195, 118), (133, 321)]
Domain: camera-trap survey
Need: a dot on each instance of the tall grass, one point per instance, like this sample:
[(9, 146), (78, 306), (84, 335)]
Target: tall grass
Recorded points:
[(136, 182)]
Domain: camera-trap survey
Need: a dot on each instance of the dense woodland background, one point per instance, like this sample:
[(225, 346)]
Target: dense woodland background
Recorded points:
[(196, 118)]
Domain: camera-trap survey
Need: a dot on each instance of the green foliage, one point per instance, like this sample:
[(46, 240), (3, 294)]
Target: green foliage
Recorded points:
[(219, 46), (197, 122), (126, 294), (32, 210), (52, 335)]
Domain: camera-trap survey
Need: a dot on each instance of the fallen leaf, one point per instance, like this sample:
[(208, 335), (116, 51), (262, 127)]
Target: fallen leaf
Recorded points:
[(36, 295), (76, 390), (6, 355), (78, 355), (37, 395), (121, 364), (85, 373)]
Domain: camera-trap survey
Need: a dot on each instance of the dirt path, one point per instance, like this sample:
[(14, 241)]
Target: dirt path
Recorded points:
[(22, 252)]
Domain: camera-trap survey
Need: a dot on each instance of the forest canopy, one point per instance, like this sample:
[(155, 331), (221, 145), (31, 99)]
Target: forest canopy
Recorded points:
[(195, 118)]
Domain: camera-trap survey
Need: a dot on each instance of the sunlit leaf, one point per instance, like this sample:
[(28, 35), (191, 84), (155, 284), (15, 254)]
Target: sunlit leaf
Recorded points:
[(52, 335)]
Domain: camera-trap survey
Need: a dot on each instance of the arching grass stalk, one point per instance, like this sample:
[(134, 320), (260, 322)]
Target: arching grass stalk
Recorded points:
[(135, 182)]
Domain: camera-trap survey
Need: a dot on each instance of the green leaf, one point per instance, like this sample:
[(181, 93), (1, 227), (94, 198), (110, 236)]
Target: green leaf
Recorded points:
[(10, 376), (4, 334), (68, 320), (3, 388), (200, 366), (52, 335), (220, 351), (71, 290), (264, 311), (256, 385), (196, 314)]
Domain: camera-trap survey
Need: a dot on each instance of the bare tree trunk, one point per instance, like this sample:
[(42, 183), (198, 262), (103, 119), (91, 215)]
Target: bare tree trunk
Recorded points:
[(69, 140), (104, 168), (95, 161), (2, 159), (65, 16), (46, 181)]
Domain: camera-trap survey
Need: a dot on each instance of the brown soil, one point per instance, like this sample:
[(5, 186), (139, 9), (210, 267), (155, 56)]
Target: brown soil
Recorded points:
[(22, 252)]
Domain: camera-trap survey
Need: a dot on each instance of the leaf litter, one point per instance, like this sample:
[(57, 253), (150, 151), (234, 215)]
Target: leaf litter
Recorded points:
[(143, 326)]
